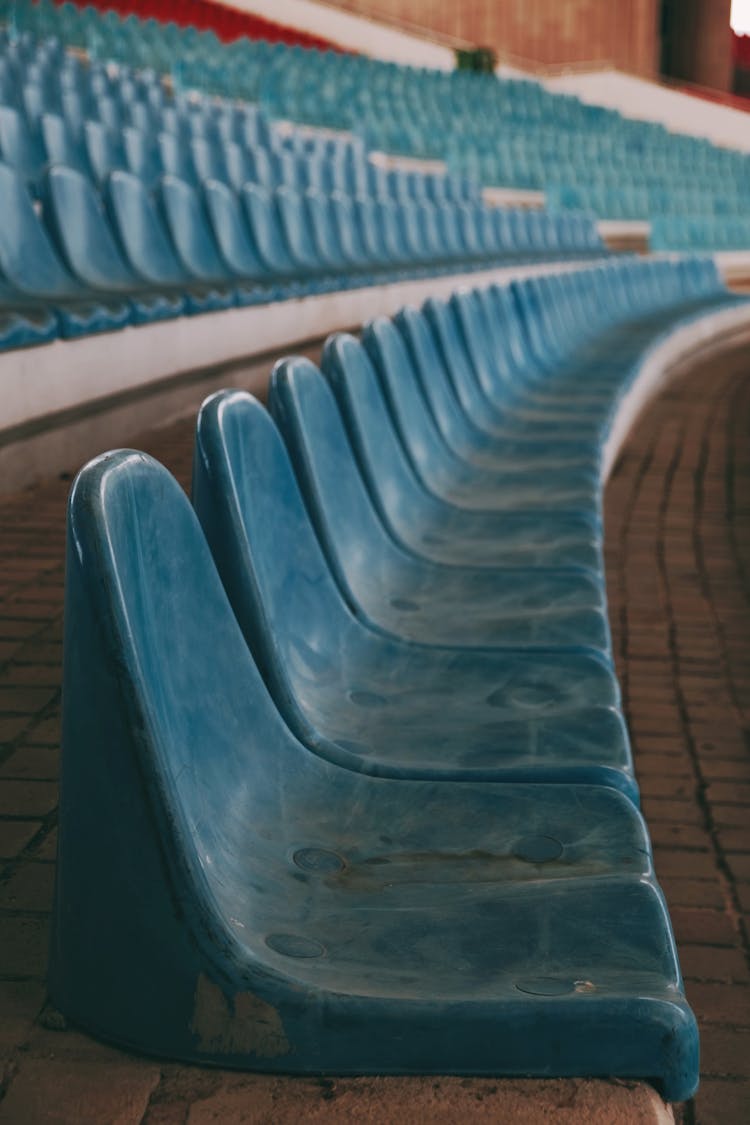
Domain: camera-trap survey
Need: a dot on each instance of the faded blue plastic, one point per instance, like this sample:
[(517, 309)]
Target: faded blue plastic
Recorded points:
[(367, 700), (226, 896), (390, 588)]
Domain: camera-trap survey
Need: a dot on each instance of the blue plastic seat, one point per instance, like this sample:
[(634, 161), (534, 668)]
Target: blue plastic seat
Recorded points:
[(429, 526), (33, 272), (87, 243), (143, 156), (147, 247), (435, 931), (390, 707), (176, 158), (193, 241), (20, 146), (231, 234), (62, 147), (266, 233), (523, 487), (105, 150), (391, 588)]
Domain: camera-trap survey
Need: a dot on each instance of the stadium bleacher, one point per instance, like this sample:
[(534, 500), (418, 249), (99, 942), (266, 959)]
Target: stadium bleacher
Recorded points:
[(360, 687)]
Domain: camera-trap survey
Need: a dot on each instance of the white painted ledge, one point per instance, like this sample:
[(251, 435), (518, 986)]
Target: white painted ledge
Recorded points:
[(667, 360), (65, 374)]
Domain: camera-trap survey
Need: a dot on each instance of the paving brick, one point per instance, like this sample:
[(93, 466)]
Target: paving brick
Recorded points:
[(684, 862), (707, 963), (708, 927), (726, 1051), (722, 1103), (27, 798), (15, 835), (693, 892), (727, 1004), (40, 763), (29, 888), (20, 1002), (60, 1092), (24, 941)]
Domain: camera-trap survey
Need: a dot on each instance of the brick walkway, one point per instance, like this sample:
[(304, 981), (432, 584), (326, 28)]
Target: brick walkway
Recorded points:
[(678, 546)]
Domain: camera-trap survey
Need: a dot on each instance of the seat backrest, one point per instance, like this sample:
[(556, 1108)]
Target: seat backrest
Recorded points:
[(251, 509), (79, 225), (176, 157), (140, 231), (295, 227), (28, 259), (230, 231), (62, 147), (156, 666), (143, 156), (190, 231), (208, 160), (265, 231), (104, 149), (20, 146), (385, 467)]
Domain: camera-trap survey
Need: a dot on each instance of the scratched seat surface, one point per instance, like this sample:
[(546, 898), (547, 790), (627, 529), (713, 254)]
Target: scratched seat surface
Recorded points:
[(377, 702), (412, 597), (227, 896)]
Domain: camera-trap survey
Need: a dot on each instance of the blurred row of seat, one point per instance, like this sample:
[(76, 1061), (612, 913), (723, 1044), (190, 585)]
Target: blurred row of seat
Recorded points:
[(700, 232), (92, 262), (351, 728), (503, 132), (55, 108)]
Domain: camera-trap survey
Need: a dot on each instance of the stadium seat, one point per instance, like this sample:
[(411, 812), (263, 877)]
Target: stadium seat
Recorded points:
[(382, 705), (181, 785)]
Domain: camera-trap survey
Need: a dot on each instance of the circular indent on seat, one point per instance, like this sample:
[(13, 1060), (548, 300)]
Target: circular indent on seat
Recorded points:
[(367, 699), (405, 604), (538, 849), (318, 860), (546, 986), (292, 945)]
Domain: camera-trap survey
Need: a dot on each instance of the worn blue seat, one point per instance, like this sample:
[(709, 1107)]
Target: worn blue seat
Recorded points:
[(517, 484), (147, 248), (34, 274), (87, 243), (448, 405), (192, 238), (388, 586), (63, 146), (424, 522), (267, 236), (298, 239), (390, 707), (21, 146), (232, 236), (143, 156), (105, 150), (498, 417), (220, 904)]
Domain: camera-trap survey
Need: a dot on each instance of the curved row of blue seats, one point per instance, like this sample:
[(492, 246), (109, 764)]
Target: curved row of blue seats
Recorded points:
[(349, 803), (131, 259)]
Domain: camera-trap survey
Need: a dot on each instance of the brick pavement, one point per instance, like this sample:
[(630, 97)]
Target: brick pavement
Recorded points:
[(678, 560)]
